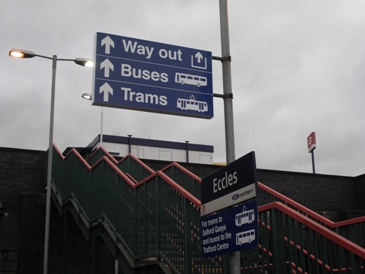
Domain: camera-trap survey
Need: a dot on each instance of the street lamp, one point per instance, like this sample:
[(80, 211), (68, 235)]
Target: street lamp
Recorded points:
[(18, 53), (21, 53), (88, 96)]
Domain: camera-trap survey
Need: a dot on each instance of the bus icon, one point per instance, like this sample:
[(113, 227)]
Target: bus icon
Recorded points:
[(245, 217), (245, 237), (192, 104), (190, 79)]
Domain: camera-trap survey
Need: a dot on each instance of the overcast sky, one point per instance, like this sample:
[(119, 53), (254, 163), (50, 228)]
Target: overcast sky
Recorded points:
[(297, 67)]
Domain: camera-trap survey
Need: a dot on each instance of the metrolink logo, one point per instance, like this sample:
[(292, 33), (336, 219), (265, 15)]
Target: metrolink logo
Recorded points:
[(240, 195)]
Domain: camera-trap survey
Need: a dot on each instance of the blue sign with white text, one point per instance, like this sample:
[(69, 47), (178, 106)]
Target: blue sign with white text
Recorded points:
[(143, 75), (230, 185), (230, 230)]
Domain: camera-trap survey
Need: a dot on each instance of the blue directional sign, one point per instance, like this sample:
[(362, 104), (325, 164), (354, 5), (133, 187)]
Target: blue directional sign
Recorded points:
[(143, 75), (230, 230)]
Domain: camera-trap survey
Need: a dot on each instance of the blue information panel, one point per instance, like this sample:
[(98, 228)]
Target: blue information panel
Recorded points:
[(230, 230), (143, 75), (230, 185)]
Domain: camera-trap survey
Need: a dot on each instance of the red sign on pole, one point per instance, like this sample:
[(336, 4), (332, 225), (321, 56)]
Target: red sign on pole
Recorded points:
[(311, 141)]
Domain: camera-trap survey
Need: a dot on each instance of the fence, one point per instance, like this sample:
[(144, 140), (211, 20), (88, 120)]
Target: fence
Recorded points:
[(157, 218)]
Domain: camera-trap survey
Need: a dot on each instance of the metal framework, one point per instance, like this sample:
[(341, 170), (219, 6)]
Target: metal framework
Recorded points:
[(150, 221)]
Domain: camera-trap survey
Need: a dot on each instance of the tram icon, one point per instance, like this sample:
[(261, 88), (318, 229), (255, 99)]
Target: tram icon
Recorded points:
[(192, 104), (245, 217)]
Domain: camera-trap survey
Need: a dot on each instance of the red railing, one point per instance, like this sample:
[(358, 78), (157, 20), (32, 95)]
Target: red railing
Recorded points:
[(301, 245), (283, 225), (308, 212)]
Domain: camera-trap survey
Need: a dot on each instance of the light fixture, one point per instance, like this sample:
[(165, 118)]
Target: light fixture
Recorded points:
[(84, 62), (21, 53), (87, 96)]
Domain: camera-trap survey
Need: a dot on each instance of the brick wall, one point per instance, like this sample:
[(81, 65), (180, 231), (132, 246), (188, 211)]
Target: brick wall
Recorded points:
[(22, 182), (31, 232), (20, 171), (360, 191), (318, 192)]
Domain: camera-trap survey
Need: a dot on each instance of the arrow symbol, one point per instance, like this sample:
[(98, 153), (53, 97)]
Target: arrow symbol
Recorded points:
[(107, 42), (106, 65), (106, 89), (199, 56)]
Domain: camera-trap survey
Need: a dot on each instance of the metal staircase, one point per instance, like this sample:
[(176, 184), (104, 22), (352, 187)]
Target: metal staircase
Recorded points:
[(150, 221)]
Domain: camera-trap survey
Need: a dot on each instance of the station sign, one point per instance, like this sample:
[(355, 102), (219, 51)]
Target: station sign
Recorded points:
[(230, 185), (142, 75), (230, 230), (311, 141)]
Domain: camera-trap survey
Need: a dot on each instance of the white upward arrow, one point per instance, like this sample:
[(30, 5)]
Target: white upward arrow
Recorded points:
[(106, 88), (106, 65), (107, 42), (199, 56)]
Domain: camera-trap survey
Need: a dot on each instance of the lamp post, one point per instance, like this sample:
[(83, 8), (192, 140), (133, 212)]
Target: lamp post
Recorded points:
[(88, 96), (18, 53)]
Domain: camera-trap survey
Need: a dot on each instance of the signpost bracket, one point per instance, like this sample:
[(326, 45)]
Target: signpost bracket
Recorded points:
[(230, 95), (226, 58)]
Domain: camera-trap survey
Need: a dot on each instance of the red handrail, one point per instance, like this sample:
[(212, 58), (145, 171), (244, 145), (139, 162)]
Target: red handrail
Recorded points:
[(130, 155), (120, 173), (183, 169), (273, 192), (308, 211), (329, 234)]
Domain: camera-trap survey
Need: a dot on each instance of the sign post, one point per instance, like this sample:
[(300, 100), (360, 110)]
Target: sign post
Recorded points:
[(230, 230), (228, 105), (142, 75)]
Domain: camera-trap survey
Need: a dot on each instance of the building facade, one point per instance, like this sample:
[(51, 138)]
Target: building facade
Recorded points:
[(155, 149)]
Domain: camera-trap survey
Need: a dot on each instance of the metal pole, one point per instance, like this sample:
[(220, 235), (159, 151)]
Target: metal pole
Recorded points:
[(101, 125), (116, 267), (49, 166), (227, 82), (228, 106), (313, 166), (187, 151), (129, 143)]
